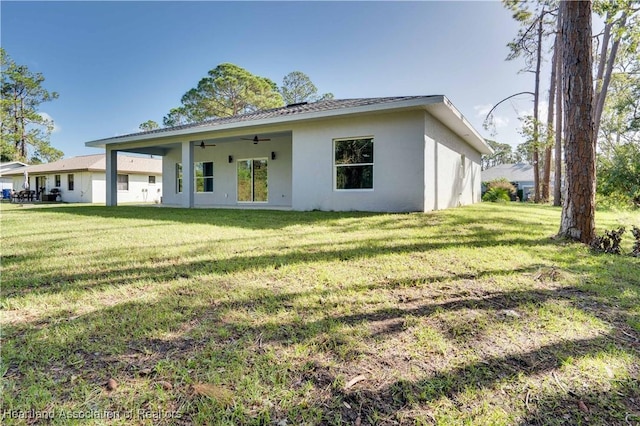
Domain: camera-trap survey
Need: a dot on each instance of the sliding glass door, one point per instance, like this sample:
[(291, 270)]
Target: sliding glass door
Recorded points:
[(252, 181)]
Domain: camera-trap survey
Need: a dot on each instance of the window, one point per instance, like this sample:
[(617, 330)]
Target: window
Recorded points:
[(203, 173), (353, 163), (178, 177), (123, 182), (70, 182), (57, 181), (152, 180)]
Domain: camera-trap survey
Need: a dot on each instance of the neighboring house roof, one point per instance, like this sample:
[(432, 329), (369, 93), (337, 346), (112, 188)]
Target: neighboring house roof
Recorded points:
[(520, 172), (11, 166), (96, 162), (437, 105)]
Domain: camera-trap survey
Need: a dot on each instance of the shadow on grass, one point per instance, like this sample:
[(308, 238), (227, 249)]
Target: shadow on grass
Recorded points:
[(249, 219), (561, 407), (519, 217), (200, 337), (204, 341), (52, 280)]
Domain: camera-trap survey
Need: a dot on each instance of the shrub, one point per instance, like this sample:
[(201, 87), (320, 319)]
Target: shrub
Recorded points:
[(499, 190), (616, 202), (496, 195), (501, 183)]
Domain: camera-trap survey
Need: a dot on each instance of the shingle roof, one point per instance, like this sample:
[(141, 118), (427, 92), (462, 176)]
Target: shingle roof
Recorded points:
[(437, 105), (294, 109), (6, 168), (96, 162), (519, 172)]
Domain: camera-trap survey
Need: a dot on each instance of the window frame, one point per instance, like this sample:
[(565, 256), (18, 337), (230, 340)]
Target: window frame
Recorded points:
[(252, 178), (178, 178), (204, 178), (336, 165), (119, 183), (152, 178), (70, 182), (57, 180)]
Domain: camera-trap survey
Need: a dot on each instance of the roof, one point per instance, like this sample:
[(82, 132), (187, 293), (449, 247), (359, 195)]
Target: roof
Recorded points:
[(519, 172), (437, 105), (96, 162), (5, 168)]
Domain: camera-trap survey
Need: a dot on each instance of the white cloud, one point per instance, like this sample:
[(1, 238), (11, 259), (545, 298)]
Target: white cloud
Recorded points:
[(46, 116), (482, 110), (499, 121)]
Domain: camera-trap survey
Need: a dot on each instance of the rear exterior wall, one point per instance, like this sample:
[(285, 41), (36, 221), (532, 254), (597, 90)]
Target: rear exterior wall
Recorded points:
[(398, 170)]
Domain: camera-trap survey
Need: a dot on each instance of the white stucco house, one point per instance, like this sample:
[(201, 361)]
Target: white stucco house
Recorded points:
[(6, 181), (82, 179), (394, 154)]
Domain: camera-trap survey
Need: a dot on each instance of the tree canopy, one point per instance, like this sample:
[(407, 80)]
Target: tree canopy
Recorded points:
[(502, 154), (148, 126), (297, 87), (24, 130), (227, 90), (619, 173)]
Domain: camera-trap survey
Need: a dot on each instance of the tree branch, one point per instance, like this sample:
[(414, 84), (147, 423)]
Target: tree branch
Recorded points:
[(506, 99)]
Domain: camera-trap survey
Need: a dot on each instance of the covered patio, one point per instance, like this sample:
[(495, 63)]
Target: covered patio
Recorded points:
[(215, 170)]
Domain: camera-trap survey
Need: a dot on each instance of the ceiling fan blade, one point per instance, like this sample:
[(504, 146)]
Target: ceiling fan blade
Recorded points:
[(256, 139)]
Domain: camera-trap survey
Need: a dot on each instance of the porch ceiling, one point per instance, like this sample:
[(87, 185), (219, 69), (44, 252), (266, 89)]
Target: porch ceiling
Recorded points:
[(158, 147)]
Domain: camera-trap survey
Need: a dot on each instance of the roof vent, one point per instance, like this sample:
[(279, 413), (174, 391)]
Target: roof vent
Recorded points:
[(297, 104)]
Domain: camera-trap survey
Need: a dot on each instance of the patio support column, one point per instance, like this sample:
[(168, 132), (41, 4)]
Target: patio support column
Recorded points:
[(187, 174), (112, 176)]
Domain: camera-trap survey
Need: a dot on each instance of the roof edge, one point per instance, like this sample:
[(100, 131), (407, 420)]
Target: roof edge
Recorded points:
[(402, 102), (448, 114)]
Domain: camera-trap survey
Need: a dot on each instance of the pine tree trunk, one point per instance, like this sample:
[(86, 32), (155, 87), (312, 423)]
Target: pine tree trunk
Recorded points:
[(536, 103), (557, 184), (23, 133), (546, 173), (601, 95), (578, 210)]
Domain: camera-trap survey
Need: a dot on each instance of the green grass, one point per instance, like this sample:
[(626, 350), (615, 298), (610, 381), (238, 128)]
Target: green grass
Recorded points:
[(469, 316)]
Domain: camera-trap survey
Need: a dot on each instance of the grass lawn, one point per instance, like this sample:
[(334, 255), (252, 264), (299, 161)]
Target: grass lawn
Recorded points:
[(467, 316)]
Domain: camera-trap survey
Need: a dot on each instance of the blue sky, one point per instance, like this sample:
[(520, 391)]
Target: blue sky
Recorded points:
[(118, 64)]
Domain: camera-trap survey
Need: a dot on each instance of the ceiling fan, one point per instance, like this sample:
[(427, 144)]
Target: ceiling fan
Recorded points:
[(256, 139), (202, 144)]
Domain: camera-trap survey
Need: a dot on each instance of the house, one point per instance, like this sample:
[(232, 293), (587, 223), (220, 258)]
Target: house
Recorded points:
[(395, 154), (520, 175), (82, 179), (6, 182)]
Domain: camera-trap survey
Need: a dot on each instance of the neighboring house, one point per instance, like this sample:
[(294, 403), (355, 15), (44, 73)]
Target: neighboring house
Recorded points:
[(414, 153), (520, 175), (6, 182), (82, 179)]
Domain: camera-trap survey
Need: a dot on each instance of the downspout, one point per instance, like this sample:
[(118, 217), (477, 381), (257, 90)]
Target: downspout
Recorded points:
[(435, 174)]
